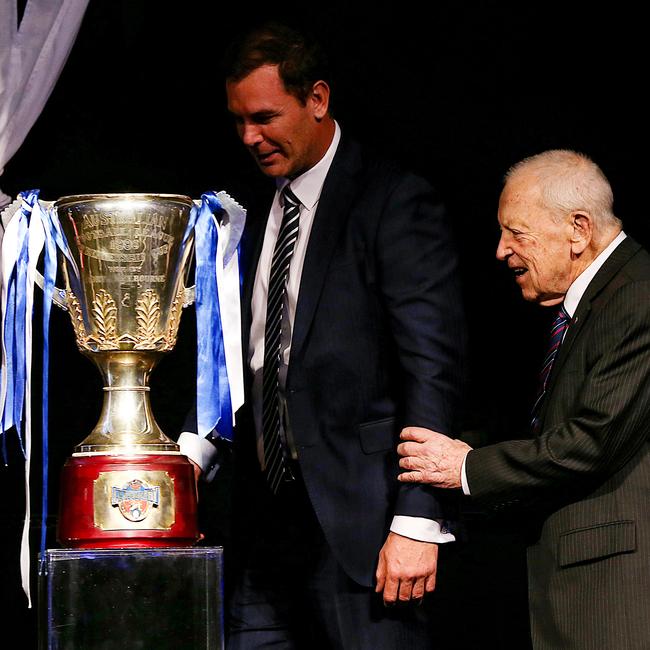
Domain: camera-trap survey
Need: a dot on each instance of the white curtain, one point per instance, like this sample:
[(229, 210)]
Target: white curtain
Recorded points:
[(31, 59)]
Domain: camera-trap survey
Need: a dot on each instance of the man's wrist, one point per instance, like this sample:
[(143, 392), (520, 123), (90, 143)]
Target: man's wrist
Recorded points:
[(422, 529), (463, 475), (201, 452)]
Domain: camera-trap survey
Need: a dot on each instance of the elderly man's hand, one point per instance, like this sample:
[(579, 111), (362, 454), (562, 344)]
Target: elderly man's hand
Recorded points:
[(431, 458)]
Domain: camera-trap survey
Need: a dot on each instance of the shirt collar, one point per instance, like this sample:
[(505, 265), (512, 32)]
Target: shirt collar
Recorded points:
[(580, 284), (307, 187)]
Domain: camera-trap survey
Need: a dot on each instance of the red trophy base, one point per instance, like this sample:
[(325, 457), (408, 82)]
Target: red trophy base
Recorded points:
[(148, 500)]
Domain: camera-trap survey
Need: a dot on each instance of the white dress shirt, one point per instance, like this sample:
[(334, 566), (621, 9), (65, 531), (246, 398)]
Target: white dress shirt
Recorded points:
[(571, 301)]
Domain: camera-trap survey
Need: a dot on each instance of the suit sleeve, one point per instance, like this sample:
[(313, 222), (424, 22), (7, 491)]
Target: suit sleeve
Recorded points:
[(607, 422), (418, 274)]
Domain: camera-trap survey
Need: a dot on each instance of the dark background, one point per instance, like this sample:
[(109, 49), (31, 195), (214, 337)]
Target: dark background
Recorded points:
[(458, 94)]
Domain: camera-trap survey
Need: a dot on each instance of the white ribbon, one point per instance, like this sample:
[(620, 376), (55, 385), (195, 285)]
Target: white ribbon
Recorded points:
[(228, 283), (36, 241)]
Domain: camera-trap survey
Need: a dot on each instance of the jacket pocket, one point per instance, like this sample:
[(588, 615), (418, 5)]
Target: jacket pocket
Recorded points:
[(596, 542), (378, 435)]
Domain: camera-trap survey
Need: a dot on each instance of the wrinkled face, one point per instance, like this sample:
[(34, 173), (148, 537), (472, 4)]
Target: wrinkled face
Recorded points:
[(281, 134), (536, 247)]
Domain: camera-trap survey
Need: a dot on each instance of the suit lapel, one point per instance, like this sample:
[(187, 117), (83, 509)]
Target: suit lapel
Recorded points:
[(251, 251), (337, 196), (621, 255)]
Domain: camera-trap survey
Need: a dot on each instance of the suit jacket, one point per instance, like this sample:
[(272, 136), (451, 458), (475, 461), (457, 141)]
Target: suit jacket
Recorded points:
[(377, 344), (587, 475)]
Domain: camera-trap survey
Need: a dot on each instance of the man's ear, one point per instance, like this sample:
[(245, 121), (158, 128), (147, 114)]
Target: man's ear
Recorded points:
[(582, 233), (319, 99)]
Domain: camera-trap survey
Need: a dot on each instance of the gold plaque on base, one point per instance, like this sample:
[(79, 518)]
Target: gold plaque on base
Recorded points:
[(128, 500)]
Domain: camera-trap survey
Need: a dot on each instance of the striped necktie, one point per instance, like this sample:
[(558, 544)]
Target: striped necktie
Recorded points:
[(275, 466), (558, 330)]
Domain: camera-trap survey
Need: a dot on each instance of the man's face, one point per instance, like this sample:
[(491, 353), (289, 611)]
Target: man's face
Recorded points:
[(281, 134), (535, 246)]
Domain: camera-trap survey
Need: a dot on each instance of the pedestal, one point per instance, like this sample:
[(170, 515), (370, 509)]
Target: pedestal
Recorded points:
[(131, 599)]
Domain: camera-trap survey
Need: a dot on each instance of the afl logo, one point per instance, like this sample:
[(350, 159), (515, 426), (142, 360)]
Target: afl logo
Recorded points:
[(135, 499)]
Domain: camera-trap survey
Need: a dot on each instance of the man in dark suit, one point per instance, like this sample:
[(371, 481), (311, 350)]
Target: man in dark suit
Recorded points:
[(585, 473), (361, 336)]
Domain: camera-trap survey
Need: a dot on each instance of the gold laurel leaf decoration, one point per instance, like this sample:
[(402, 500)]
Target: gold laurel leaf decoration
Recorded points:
[(147, 311), (76, 316), (174, 320), (105, 314)]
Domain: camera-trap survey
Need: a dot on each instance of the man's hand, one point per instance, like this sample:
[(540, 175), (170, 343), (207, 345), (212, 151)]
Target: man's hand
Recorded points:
[(197, 470), (407, 569), (431, 458), (197, 475)]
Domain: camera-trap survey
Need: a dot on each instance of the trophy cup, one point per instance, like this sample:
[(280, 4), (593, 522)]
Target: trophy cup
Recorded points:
[(126, 485)]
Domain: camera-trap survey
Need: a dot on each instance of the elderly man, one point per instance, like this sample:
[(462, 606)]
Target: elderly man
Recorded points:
[(585, 473)]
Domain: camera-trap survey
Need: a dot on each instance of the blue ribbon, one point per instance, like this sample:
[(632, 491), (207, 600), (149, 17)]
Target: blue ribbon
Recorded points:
[(14, 330), (213, 403), (49, 277), (19, 341), (14, 333)]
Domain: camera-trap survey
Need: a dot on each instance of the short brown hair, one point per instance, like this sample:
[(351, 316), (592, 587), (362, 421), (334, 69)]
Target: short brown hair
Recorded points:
[(300, 59)]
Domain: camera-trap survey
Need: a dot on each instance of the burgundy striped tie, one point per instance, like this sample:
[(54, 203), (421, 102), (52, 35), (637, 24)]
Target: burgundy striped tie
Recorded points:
[(558, 329)]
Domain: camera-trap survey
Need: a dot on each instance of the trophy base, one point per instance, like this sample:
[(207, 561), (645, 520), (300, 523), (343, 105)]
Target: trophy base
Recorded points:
[(119, 501)]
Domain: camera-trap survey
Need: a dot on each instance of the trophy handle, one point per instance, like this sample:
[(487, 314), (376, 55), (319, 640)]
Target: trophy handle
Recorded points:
[(189, 296), (189, 293), (58, 296)]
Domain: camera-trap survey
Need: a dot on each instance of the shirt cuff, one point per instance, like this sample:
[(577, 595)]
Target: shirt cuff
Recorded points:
[(422, 529), (200, 451), (463, 477)]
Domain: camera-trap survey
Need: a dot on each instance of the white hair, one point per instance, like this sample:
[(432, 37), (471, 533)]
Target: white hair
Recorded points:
[(569, 181)]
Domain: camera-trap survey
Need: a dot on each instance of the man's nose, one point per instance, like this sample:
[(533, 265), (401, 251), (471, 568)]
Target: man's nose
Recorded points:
[(503, 250), (251, 135)]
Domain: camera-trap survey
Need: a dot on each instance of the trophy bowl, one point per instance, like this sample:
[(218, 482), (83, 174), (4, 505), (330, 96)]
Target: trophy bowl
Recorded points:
[(126, 484)]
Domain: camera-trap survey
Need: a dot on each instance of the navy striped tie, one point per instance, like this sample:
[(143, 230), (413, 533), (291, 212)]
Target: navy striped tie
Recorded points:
[(284, 246), (558, 329)]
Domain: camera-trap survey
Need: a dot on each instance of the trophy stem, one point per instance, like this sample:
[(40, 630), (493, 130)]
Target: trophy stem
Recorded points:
[(126, 425)]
